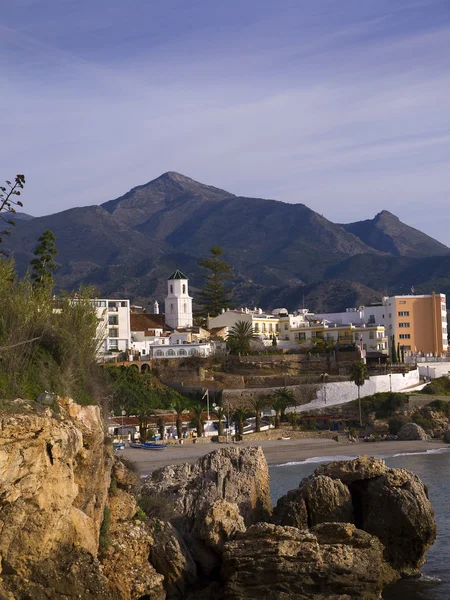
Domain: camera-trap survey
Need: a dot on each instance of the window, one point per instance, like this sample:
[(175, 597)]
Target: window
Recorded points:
[(159, 353), (371, 318), (101, 303), (406, 348), (405, 336), (113, 320), (192, 352), (390, 327), (286, 326), (171, 352), (270, 327), (256, 327), (113, 333), (184, 288), (403, 324), (112, 305), (402, 301), (264, 327), (380, 335), (171, 308), (277, 328), (403, 313), (182, 352), (371, 335), (390, 315), (113, 344), (185, 308), (300, 336), (171, 289)]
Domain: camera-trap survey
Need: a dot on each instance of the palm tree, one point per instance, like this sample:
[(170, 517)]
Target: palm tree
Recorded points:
[(161, 428), (359, 374), (240, 337), (220, 414), (280, 402), (179, 407), (240, 415), (198, 422), (259, 404)]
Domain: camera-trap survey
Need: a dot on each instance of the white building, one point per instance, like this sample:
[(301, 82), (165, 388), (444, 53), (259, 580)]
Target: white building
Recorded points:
[(113, 328), (178, 303)]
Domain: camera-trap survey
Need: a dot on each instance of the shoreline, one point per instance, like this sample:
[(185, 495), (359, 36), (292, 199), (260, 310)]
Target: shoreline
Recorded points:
[(277, 452)]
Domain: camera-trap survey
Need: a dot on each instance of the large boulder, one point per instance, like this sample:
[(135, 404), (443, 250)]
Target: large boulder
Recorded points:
[(318, 499), (411, 431), (237, 475), (220, 524), (391, 504), (333, 560)]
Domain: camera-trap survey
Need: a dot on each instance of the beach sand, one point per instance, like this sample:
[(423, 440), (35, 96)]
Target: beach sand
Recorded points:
[(276, 451)]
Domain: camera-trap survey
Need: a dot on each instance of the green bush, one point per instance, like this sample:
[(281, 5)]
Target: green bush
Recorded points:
[(438, 387), (422, 421), (103, 541), (396, 423), (440, 406), (157, 507), (383, 404)]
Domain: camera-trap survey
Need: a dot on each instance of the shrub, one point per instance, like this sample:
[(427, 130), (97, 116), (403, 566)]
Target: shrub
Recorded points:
[(422, 421), (438, 387), (396, 423), (103, 541), (157, 507), (383, 404), (440, 406)]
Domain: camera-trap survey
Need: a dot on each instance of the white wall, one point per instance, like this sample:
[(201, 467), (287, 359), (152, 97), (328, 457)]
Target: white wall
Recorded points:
[(434, 370), (346, 391)]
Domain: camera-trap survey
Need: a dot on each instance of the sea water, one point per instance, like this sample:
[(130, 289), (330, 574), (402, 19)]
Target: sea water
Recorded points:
[(433, 468)]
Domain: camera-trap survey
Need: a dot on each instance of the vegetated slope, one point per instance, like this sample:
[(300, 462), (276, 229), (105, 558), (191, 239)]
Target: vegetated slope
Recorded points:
[(326, 296), (387, 233), (21, 215)]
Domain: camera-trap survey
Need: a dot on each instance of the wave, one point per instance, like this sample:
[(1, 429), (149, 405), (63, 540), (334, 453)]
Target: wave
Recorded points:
[(429, 579), (321, 459), (432, 451), (315, 459)]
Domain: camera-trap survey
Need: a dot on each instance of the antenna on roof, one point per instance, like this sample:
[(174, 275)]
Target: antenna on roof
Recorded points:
[(412, 290)]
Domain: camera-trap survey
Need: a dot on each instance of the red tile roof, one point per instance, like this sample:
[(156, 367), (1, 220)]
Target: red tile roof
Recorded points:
[(147, 323)]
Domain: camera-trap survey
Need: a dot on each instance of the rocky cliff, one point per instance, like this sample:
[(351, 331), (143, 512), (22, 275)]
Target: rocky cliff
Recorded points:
[(55, 508)]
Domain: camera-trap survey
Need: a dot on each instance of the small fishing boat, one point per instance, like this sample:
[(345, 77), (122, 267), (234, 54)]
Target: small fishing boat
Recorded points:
[(148, 446)]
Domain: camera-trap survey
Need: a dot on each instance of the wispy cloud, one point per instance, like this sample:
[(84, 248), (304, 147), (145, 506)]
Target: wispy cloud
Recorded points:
[(341, 106)]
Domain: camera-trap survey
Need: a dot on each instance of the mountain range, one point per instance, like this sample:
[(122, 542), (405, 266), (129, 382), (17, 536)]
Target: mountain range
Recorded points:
[(282, 254)]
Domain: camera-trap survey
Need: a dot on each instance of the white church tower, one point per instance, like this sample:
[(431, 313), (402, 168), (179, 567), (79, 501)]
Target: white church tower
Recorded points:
[(178, 302)]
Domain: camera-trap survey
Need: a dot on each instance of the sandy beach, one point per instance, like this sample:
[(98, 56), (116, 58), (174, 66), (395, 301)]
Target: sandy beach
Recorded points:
[(276, 451)]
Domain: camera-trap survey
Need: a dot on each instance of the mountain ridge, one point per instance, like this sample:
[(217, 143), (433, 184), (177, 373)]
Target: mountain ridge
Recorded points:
[(127, 245)]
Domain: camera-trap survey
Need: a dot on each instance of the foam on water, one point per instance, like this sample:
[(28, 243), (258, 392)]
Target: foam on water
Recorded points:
[(315, 459), (432, 451)]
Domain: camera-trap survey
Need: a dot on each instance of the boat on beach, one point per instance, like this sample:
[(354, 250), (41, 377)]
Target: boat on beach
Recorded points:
[(148, 445)]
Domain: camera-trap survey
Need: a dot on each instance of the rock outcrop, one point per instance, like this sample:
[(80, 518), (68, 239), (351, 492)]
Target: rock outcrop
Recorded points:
[(332, 560), (237, 475), (411, 431), (55, 475), (391, 504), (211, 501)]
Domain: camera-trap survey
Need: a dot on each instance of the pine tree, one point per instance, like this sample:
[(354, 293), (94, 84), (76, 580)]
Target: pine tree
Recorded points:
[(214, 295), (44, 263)]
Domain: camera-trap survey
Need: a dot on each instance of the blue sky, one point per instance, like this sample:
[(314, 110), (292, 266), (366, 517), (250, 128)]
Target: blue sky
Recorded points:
[(342, 105)]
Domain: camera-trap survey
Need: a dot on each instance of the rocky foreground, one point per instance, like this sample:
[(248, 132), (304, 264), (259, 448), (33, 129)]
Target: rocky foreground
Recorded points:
[(71, 526)]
